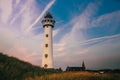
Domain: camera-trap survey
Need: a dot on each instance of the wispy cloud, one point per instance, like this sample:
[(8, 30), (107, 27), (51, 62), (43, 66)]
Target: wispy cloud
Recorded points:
[(14, 41), (41, 15), (17, 2), (6, 9), (82, 21), (86, 21), (92, 54), (99, 39), (107, 19), (78, 45), (21, 11), (55, 32)]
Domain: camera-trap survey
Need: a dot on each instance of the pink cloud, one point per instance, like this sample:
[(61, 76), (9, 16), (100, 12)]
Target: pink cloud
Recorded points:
[(32, 57), (18, 51), (60, 49), (83, 51), (24, 54), (59, 44), (59, 55)]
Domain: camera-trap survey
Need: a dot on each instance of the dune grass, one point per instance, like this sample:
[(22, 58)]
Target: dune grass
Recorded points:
[(77, 76)]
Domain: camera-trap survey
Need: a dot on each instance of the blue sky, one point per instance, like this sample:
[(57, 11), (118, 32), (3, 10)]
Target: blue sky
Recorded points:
[(85, 30)]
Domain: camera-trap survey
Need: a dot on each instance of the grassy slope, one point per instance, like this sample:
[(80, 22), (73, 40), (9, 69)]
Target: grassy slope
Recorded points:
[(12, 68)]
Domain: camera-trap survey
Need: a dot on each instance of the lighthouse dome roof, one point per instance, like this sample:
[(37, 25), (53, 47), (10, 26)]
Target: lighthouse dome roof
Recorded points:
[(48, 15)]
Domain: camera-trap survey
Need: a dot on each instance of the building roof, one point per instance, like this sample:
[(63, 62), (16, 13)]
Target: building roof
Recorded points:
[(48, 15), (75, 69)]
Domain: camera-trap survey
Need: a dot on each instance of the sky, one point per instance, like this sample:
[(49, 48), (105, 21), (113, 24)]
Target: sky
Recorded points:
[(85, 30)]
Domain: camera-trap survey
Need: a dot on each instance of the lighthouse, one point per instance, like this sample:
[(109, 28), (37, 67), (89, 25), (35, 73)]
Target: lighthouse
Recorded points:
[(47, 57)]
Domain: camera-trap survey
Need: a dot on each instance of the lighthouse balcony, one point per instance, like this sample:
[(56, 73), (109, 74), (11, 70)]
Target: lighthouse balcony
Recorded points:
[(48, 24)]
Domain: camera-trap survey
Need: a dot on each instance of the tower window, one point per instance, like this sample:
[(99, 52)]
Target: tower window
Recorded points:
[(45, 65), (46, 45), (46, 55), (46, 35)]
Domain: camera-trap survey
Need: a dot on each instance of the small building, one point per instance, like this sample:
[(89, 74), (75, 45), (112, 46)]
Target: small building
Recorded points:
[(76, 68)]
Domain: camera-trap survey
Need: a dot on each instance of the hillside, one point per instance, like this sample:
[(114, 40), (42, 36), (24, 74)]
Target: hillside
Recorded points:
[(12, 68)]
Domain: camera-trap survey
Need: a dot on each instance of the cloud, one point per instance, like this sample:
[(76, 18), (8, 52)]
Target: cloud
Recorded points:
[(109, 19), (69, 43), (15, 42), (6, 9), (21, 11), (20, 50), (17, 2), (104, 54), (99, 54), (28, 16), (94, 40), (85, 21), (25, 54), (77, 47), (55, 32), (58, 47), (41, 15), (10, 35), (82, 21), (26, 48)]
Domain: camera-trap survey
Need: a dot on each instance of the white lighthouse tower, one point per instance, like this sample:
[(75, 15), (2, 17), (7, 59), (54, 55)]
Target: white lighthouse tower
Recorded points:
[(47, 57)]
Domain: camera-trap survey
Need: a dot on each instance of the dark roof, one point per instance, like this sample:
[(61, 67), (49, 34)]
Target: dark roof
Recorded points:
[(48, 15), (74, 69)]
